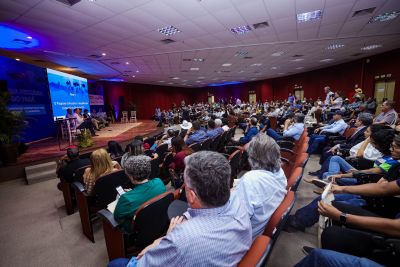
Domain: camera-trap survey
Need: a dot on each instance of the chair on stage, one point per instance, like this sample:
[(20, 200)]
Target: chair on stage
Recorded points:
[(104, 192), (149, 223), (124, 118), (133, 116)]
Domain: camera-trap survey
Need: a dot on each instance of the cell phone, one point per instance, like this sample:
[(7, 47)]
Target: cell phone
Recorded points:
[(120, 190)]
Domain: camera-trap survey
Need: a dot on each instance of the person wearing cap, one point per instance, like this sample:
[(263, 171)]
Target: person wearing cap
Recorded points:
[(195, 134), (69, 163), (214, 231), (138, 169), (293, 128), (337, 127)]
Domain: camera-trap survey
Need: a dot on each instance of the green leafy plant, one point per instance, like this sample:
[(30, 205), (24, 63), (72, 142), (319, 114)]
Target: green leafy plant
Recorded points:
[(11, 123), (85, 139)]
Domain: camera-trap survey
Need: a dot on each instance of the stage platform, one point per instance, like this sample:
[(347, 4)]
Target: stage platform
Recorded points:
[(49, 149)]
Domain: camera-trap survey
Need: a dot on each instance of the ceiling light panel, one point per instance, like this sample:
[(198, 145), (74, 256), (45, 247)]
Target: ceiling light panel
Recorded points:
[(326, 60), (334, 46), (371, 47), (277, 54), (241, 29), (198, 59), (384, 17), (194, 68), (226, 64), (309, 16), (169, 30)]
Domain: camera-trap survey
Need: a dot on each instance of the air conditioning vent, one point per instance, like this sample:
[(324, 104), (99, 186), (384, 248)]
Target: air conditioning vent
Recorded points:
[(69, 2), (363, 12), (167, 41), (260, 25), (247, 57), (297, 56), (187, 59)]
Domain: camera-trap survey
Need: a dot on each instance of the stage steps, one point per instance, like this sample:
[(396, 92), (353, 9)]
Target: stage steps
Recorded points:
[(41, 172)]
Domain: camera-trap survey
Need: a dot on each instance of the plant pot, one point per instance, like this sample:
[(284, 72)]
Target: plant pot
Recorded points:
[(9, 153)]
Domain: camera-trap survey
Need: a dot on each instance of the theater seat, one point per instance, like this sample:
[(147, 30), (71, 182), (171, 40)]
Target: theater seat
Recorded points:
[(104, 192), (258, 253), (295, 176), (279, 217), (149, 223)]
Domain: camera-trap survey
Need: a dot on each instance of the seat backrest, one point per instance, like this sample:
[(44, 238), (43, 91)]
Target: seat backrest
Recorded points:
[(215, 142), (318, 115), (78, 174), (155, 168), (195, 147), (223, 141), (297, 173), (85, 155), (287, 166), (162, 150), (105, 188), (301, 160), (279, 217), (273, 122), (151, 219), (206, 144), (349, 132), (258, 253), (234, 161)]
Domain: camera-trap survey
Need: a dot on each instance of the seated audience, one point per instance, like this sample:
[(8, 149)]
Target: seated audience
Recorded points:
[(69, 163), (138, 169), (388, 115), (293, 128), (250, 132), (215, 230), (262, 189), (213, 131), (308, 215), (195, 134), (179, 151), (330, 258), (114, 149), (135, 148), (337, 127), (100, 164)]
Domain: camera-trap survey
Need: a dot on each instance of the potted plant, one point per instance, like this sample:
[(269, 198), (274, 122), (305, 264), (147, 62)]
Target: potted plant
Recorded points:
[(11, 125)]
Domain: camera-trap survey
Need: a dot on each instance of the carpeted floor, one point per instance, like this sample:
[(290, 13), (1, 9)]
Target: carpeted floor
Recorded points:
[(35, 230)]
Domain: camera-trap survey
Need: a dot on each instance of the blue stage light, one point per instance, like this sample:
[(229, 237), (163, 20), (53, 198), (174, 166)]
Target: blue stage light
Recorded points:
[(222, 84), (15, 39)]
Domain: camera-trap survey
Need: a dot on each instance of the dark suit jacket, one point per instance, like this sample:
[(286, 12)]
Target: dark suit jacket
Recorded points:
[(66, 172), (354, 139)]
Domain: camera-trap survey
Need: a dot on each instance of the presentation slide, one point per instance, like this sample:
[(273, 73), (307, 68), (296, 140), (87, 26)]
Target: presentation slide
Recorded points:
[(67, 91)]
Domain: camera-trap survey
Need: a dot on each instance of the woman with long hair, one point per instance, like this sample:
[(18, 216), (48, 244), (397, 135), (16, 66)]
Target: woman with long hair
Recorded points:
[(100, 164), (114, 149)]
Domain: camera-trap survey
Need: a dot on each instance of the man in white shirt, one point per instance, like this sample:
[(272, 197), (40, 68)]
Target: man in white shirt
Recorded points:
[(317, 141), (293, 128), (329, 94), (262, 189)]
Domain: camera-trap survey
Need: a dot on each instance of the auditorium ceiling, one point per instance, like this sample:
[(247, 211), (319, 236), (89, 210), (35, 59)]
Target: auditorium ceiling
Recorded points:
[(194, 43)]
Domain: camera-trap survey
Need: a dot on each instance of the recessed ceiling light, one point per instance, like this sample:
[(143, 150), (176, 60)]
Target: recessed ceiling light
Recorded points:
[(175, 78), (370, 47), (299, 68), (194, 68), (326, 60), (226, 64), (274, 68), (137, 71), (309, 16), (256, 64), (161, 81), (17, 59), (29, 37), (133, 76), (241, 29), (127, 63), (384, 17), (334, 46), (103, 54), (92, 0), (297, 59), (169, 30), (277, 54), (198, 59)]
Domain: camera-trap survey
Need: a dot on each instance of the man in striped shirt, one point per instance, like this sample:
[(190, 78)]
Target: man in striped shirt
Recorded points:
[(215, 230)]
